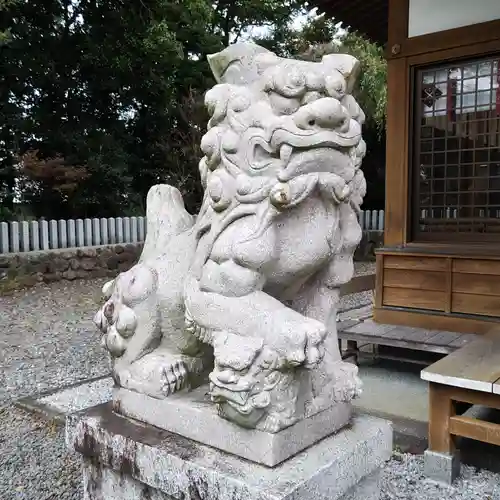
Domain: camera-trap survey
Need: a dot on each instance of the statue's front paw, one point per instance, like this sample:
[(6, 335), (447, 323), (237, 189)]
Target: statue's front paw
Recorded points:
[(156, 374), (348, 385)]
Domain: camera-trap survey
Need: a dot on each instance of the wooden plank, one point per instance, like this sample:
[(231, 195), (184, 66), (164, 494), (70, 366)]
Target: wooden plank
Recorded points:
[(379, 278), (433, 320), (370, 327), (396, 170), (444, 338), (463, 340), (404, 333), (402, 344), (481, 284), (417, 299), (476, 266), (424, 280), (449, 285), (474, 397), (414, 263), (441, 409), (358, 284), (480, 430), (475, 366), (484, 305)]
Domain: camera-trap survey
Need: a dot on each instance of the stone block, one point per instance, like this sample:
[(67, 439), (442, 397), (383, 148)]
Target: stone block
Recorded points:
[(70, 274), (124, 459), (441, 467), (98, 273), (60, 264), (88, 264), (193, 415), (89, 252), (74, 264), (113, 262)]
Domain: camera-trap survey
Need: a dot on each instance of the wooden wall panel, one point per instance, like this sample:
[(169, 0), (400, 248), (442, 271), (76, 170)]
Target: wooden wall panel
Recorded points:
[(416, 299), (478, 284), (476, 266), (482, 305), (447, 284), (423, 280), (423, 263)]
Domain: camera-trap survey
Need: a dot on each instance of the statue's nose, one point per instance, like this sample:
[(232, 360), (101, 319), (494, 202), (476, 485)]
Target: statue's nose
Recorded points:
[(327, 113)]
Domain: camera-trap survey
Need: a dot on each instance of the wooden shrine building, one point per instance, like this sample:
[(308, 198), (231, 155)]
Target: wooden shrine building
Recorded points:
[(439, 267)]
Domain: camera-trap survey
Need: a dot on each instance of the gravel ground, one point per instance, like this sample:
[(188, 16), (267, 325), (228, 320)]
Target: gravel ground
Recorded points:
[(48, 340), (403, 479)]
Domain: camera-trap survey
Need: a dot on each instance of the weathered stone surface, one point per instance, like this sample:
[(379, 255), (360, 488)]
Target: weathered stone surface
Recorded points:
[(70, 275), (32, 267), (60, 264), (194, 416), (113, 262), (161, 463), (98, 273), (74, 263), (442, 467), (88, 264), (119, 249)]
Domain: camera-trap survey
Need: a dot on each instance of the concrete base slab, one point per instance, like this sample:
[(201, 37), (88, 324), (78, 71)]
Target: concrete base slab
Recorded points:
[(60, 402), (126, 460), (441, 467), (193, 415)]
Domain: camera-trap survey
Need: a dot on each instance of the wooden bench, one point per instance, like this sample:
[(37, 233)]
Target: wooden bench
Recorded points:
[(356, 328), (470, 375)]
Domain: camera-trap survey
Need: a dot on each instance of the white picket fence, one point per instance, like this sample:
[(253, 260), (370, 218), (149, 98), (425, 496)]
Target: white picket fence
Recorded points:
[(28, 236)]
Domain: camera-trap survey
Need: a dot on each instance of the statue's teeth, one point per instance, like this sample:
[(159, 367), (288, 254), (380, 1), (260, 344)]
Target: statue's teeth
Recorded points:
[(285, 153)]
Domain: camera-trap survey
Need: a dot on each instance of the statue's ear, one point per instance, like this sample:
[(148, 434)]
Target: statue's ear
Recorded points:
[(239, 64), (348, 66)]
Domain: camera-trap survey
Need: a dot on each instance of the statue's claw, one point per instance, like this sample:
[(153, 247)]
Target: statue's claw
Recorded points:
[(174, 377)]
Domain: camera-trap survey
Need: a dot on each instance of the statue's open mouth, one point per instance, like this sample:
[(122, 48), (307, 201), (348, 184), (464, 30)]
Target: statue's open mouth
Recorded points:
[(305, 139), (238, 398)]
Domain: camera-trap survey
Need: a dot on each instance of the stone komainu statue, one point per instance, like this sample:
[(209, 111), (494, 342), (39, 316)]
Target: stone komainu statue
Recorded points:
[(244, 296)]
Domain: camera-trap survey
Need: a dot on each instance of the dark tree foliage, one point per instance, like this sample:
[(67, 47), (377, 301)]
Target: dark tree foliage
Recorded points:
[(100, 99)]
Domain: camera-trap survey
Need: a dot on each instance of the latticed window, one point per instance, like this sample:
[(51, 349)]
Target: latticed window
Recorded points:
[(456, 152)]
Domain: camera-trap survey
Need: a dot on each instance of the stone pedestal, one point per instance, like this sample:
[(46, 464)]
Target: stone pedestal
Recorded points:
[(442, 467), (127, 460), (194, 416)]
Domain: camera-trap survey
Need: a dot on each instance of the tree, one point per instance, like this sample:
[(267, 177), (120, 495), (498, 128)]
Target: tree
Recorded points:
[(90, 83), (113, 87), (230, 21)]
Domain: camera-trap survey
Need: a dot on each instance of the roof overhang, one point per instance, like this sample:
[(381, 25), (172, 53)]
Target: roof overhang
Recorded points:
[(368, 17)]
